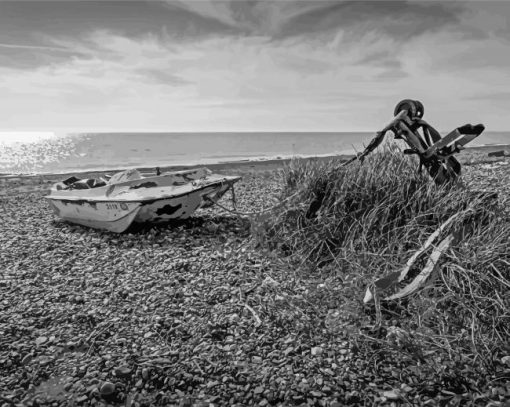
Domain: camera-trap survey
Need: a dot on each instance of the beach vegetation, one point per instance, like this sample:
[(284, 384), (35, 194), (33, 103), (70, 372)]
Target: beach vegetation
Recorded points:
[(347, 226)]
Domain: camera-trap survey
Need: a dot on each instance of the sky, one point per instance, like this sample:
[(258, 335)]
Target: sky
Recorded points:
[(251, 65)]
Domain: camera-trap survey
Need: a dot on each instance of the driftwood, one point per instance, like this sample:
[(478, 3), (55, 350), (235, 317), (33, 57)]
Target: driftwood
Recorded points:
[(258, 321), (374, 290), (500, 153), (385, 283), (421, 279)]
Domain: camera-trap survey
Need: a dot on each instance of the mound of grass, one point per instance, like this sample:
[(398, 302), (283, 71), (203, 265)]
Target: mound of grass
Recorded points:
[(361, 221)]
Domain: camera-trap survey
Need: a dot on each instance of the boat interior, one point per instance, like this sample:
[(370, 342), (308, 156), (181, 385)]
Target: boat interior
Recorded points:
[(133, 177), (86, 183)]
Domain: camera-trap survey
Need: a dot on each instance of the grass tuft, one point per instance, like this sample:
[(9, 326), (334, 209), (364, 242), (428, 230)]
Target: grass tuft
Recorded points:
[(356, 223)]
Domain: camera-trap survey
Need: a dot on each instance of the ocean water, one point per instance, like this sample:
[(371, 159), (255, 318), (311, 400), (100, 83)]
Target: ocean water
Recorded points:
[(50, 153)]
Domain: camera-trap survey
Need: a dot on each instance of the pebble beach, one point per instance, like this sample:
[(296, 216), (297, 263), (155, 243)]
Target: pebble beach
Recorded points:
[(191, 314)]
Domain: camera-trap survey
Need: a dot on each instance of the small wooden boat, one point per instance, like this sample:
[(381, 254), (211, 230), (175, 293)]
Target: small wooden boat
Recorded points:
[(128, 197)]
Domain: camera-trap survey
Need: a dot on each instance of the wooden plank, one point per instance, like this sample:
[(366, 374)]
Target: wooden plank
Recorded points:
[(420, 280), (448, 139), (395, 277), (499, 153), (466, 138), (460, 137)]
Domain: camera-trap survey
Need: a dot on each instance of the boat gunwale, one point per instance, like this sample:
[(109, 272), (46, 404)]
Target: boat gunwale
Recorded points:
[(142, 200)]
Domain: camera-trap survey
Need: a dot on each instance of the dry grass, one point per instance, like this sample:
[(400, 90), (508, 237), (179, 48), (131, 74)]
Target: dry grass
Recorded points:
[(358, 223)]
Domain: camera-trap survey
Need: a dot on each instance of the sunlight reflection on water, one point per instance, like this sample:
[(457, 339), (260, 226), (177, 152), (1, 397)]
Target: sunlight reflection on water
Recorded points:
[(28, 152)]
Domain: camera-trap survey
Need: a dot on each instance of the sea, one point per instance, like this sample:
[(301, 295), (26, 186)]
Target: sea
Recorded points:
[(47, 152)]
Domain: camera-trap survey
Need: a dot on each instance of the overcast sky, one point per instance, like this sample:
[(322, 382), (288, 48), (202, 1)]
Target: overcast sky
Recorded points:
[(251, 65)]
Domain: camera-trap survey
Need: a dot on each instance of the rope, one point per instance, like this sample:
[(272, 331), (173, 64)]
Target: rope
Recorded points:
[(239, 213), (234, 201), (360, 156)]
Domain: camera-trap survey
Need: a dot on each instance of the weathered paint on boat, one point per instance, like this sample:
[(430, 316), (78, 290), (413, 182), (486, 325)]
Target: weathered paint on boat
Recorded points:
[(117, 205), (100, 215), (181, 207)]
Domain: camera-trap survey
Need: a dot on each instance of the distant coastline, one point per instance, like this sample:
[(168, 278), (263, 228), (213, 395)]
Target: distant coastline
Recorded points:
[(242, 166), (94, 152)]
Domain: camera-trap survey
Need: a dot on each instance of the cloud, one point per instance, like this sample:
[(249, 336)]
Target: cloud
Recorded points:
[(219, 11), (452, 53), (37, 33), (31, 22), (162, 77), (285, 19), (397, 19), (496, 96), (23, 56), (32, 47), (487, 19), (383, 58), (119, 78), (205, 66)]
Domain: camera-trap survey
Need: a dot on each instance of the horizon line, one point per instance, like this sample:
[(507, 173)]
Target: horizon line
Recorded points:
[(2, 131)]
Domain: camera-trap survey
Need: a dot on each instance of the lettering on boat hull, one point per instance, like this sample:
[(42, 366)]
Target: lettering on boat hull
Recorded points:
[(114, 217)]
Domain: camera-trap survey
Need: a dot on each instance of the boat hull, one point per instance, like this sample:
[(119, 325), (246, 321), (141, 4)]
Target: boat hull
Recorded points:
[(181, 207), (150, 200), (112, 216)]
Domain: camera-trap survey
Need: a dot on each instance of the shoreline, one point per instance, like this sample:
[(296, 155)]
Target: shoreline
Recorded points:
[(26, 183), (259, 164), (219, 166), (35, 182)]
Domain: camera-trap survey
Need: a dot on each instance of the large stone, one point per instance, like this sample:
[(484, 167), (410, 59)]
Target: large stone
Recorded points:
[(107, 389)]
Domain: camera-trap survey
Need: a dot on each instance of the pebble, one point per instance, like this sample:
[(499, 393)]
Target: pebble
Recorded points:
[(71, 346), (107, 389), (115, 286), (92, 390), (123, 371), (41, 340), (82, 399), (391, 394), (406, 388), (45, 361)]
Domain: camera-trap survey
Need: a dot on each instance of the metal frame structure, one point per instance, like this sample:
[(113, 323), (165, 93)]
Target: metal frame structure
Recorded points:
[(435, 152)]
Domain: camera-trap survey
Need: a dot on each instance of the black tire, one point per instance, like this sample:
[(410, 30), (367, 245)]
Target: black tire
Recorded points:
[(420, 110), (408, 105)]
